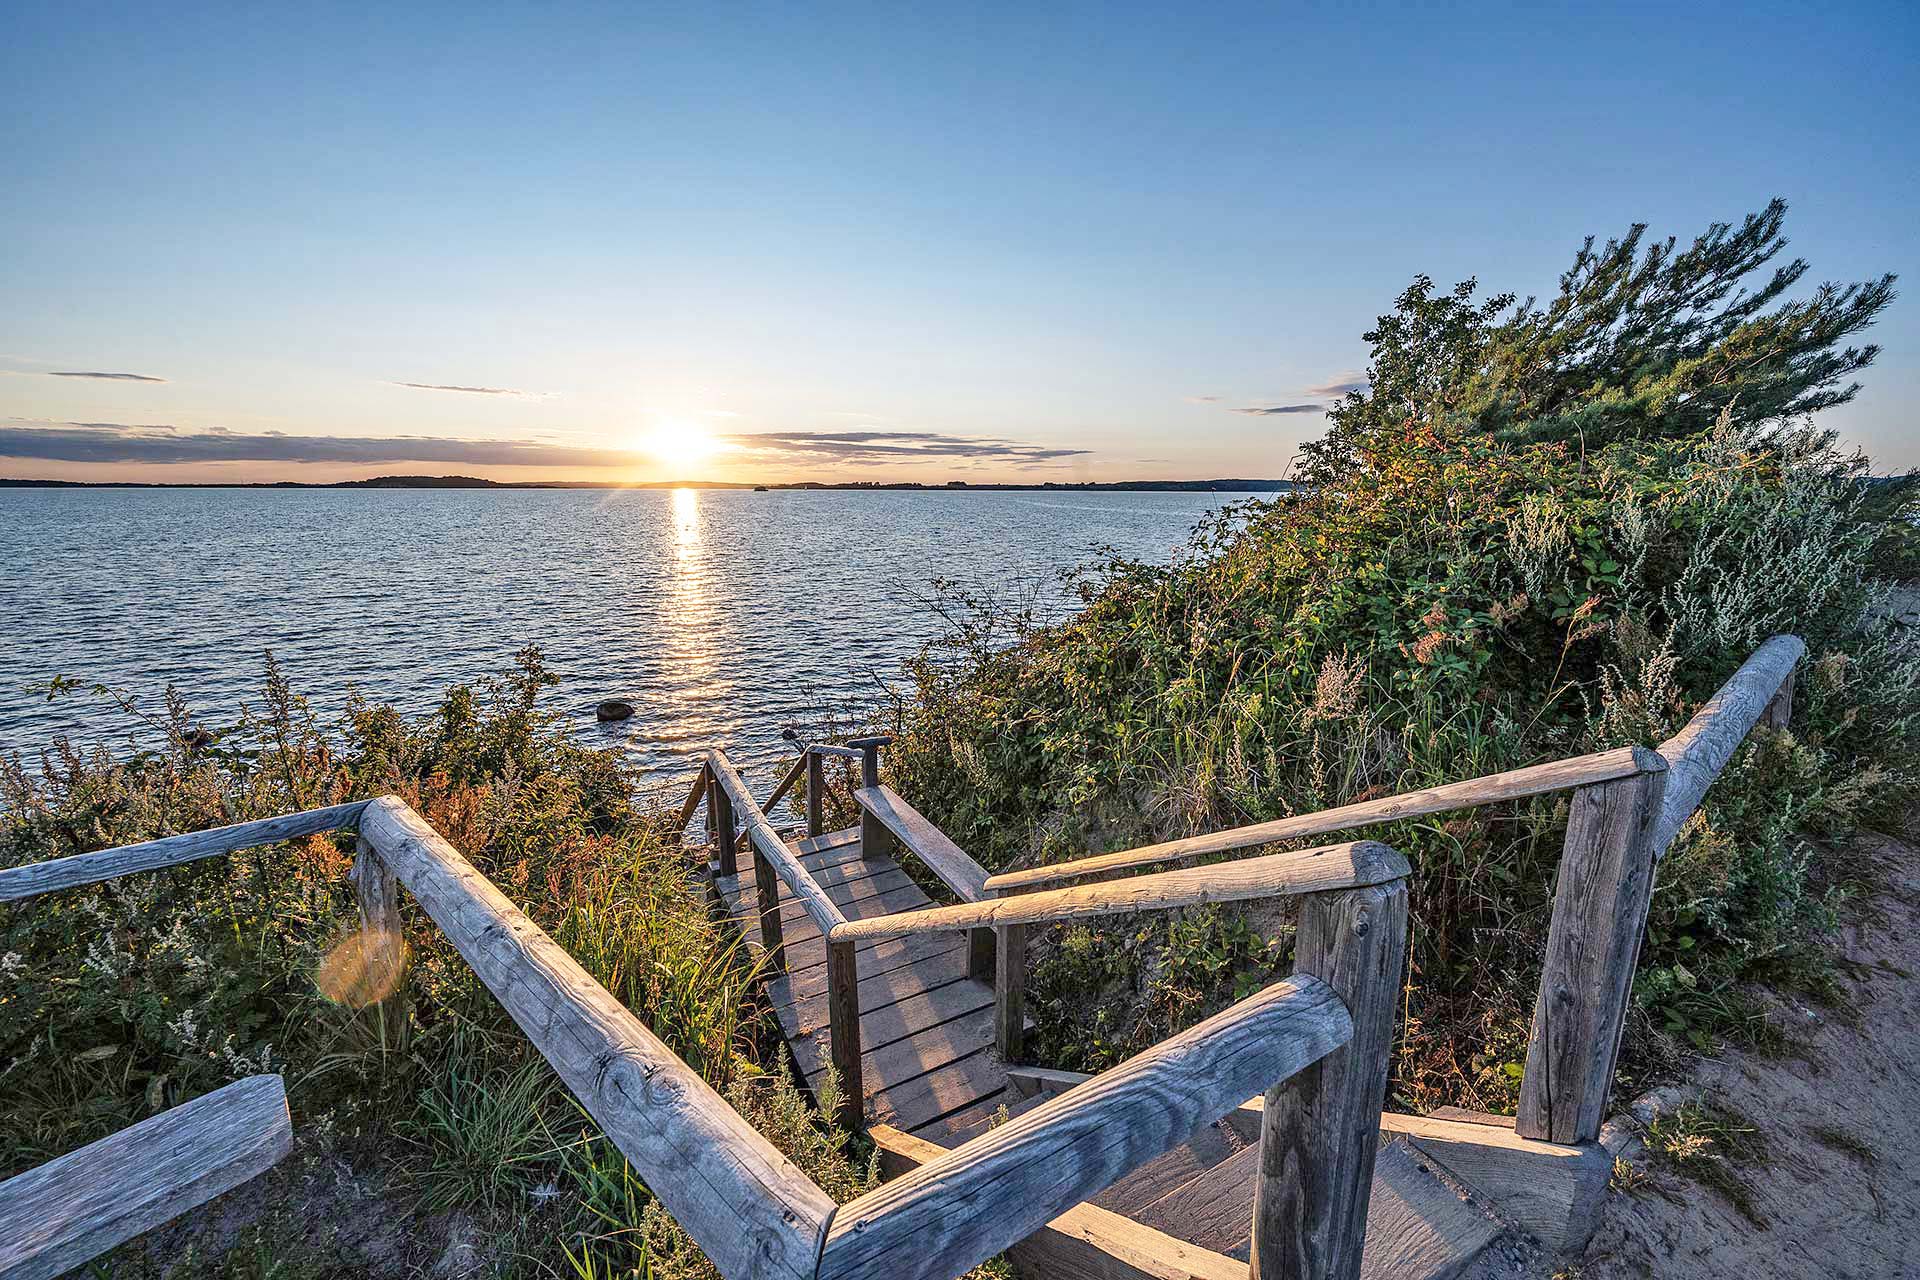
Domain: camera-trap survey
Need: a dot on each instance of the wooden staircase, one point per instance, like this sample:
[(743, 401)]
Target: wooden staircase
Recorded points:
[(1201, 1194)]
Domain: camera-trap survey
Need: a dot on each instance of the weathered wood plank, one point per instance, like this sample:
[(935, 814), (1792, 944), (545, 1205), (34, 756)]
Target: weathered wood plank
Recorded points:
[(1166, 1173), (1321, 1128), (1336, 866), (928, 1099), (695, 795), (973, 1202), (766, 892), (816, 794), (850, 886), (106, 864), (925, 841), (881, 1025), (1010, 991), (1084, 1243), (1516, 784), (1551, 1191), (1696, 755), (1599, 914), (843, 1031), (830, 840), (76, 1207), (746, 1205), (772, 848), (911, 1056), (908, 966), (785, 785), (382, 955)]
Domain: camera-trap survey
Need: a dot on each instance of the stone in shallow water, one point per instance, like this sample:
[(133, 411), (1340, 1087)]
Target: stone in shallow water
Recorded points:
[(613, 709)]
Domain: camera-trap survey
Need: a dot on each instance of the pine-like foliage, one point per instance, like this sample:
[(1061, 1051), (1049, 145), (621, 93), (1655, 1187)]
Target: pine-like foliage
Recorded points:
[(1641, 342)]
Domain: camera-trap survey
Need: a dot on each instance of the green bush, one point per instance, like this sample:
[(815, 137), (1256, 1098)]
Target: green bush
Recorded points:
[(1457, 594)]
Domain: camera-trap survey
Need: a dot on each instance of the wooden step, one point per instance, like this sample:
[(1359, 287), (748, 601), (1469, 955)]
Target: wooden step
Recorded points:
[(1202, 1193)]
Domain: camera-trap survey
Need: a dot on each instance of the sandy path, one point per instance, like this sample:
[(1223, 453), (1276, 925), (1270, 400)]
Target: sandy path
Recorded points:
[(1851, 1085)]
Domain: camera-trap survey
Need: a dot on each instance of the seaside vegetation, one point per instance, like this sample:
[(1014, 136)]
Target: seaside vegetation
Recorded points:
[(445, 1143), (1539, 530)]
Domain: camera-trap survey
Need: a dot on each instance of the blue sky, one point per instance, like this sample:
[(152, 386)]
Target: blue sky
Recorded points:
[(985, 242)]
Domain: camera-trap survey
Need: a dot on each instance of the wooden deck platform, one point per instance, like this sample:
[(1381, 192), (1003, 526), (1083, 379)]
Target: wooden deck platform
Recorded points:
[(926, 1027), (1418, 1228)]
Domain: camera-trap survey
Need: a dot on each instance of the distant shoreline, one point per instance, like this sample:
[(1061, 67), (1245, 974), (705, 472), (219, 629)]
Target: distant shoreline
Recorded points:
[(475, 482)]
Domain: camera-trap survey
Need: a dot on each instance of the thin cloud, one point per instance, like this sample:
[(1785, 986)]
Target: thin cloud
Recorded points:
[(1204, 399), (107, 377), (873, 448), (165, 445), (1267, 410), (1341, 384), (472, 391)]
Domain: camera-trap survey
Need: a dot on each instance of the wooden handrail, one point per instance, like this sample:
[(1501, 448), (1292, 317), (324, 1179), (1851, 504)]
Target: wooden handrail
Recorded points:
[(771, 848), (1696, 755), (1336, 866), (1515, 784), (952, 1213), (60, 1215), (792, 776), (90, 868), (923, 840), (695, 795), (751, 1210), (841, 753)]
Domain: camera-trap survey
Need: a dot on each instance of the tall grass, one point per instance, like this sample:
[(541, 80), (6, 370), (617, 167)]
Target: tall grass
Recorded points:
[(1453, 607), (126, 998)]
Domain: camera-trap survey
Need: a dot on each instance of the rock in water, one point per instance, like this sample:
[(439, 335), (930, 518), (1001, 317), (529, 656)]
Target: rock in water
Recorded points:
[(613, 709)]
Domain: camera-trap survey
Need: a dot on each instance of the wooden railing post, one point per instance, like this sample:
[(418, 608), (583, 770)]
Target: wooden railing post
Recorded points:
[(1599, 915), (726, 832), (383, 943), (766, 889), (1779, 710), (816, 792), (875, 839), (843, 1031), (1010, 990), (1321, 1129)]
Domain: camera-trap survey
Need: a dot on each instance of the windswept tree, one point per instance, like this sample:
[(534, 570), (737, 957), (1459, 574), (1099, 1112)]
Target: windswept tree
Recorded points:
[(1643, 341)]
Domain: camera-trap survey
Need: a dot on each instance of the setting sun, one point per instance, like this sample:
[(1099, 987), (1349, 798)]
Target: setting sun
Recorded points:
[(680, 445)]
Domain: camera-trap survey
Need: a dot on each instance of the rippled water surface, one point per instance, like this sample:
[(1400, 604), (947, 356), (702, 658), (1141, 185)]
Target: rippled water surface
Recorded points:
[(723, 615)]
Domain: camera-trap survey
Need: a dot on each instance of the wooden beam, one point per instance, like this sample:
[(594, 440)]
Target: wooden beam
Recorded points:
[(1556, 775), (90, 868), (1084, 1243), (1336, 866), (947, 860), (694, 796), (792, 776), (383, 944), (1599, 914), (766, 890), (826, 916), (1779, 712), (1321, 1127), (816, 794), (1552, 1191), (839, 753), (1696, 755), (749, 1209), (76, 1207), (844, 1041), (1010, 991), (953, 1213)]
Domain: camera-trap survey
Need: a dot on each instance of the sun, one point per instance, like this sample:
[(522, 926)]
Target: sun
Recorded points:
[(680, 445)]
